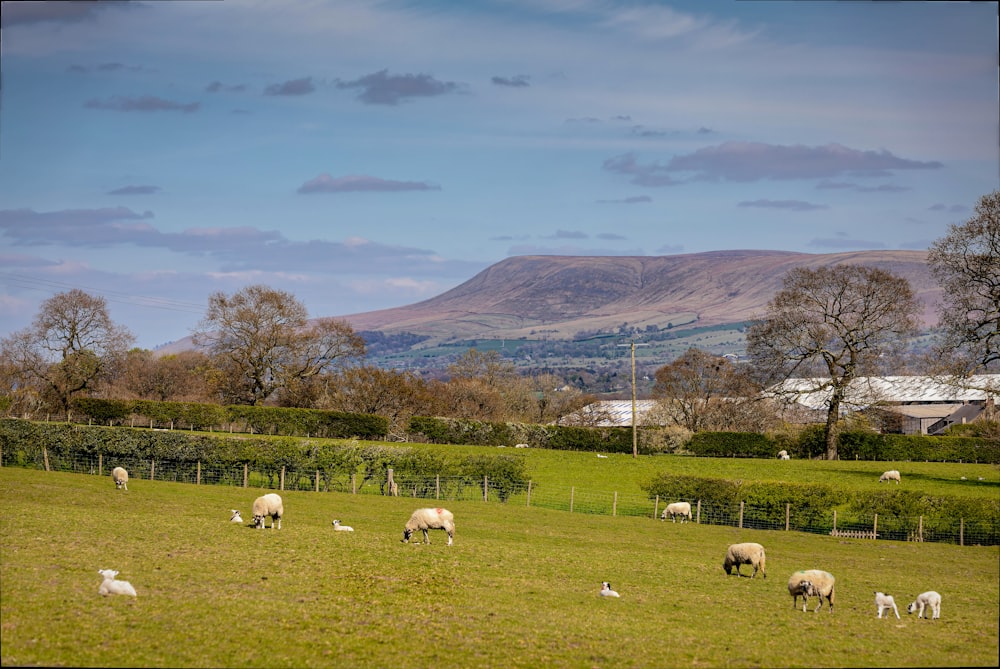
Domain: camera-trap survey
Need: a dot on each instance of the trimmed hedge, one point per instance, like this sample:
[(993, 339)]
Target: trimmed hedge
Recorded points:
[(558, 437), (732, 444), (898, 447)]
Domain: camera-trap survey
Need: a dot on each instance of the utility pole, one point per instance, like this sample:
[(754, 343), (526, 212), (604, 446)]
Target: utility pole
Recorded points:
[(635, 433)]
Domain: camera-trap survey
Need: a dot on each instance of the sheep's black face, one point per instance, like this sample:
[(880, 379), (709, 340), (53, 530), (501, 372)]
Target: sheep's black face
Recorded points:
[(406, 535)]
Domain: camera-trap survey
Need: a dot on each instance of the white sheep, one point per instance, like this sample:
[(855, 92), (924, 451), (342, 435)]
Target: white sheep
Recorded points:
[(682, 509), (267, 505), (342, 528), (885, 602), (430, 519), (891, 475), (520, 445), (811, 583), (109, 586), (606, 590), (783, 455), (924, 600), (746, 553), (120, 477), (236, 517)]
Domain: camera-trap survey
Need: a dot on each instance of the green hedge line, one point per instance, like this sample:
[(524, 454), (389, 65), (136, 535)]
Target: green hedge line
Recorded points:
[(22, 442), (260, 420), (483, 433)]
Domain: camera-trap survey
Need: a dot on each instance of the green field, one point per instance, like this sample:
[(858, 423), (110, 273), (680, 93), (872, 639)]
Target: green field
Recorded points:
[(518, 588)]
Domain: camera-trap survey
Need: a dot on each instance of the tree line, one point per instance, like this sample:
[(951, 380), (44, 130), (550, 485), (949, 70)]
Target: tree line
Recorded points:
[(257, 346)]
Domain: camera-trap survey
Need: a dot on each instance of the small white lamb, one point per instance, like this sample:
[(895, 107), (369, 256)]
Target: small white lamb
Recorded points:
[(109, 586), (885, 602), (342, 528), (606, 590), (237, 518), (929, 599)]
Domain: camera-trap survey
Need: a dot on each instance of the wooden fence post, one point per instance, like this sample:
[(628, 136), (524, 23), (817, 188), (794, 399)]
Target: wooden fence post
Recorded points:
[(45, 457), (317, 480), (699, 512), (656, 507), (572, 492), (100, 464), (437, 486), (961, 532), (354, 485), (788, 515), (875, 528), (197, 476), (614, 505), (282, 482), (246, 473), (741, 514), (486, 487), (152, 469), (834, 522), (529, 493), (920, 529)]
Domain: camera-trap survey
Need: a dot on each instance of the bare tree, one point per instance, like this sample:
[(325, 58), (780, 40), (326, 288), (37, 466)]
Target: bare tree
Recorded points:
[(966, 263), (180, 377), (829, 326), (261, 341), (396, 395), (68, 349), (703, 391)]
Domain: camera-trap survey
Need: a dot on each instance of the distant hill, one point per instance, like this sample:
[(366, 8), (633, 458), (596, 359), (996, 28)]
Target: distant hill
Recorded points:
[(560, 297), (563, 298)]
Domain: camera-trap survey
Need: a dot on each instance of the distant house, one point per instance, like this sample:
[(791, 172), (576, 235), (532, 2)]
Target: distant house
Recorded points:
[(925, 405)]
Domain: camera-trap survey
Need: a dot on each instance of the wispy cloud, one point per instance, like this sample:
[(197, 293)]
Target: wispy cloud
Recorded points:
[(324, 183), (517, 81), (15, 13), (841, 185), (635, 199), (382, 88), (219, 87), (842, 242), (292, 87), (145, 103), (754, 161), (951, 209), (793, 205), (566, 234), (135, 190)]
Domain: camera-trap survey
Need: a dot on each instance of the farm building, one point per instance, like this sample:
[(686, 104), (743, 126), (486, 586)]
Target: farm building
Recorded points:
[(925, 405), (610, 413)]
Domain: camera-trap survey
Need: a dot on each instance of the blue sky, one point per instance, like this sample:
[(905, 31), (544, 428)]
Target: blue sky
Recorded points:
[(364, 155)]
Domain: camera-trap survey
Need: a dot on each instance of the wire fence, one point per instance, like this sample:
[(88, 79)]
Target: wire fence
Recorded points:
[(571, 499)]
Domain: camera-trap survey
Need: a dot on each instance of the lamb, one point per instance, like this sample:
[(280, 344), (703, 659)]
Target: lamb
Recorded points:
[(811, 583), (885, 602), (682, 509), (267, 505), (927, 599), (746, 553), (606, 590), (430, 519), (236, 518), (342, 528), (783, 455), (109, 586), (891, 475), (120, 477)]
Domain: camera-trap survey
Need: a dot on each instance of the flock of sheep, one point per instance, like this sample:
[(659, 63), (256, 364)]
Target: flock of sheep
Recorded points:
[(804, 584)]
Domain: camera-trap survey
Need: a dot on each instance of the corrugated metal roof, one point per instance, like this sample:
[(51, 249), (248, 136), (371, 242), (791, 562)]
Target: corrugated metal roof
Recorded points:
[(615, 413), (870, 390)]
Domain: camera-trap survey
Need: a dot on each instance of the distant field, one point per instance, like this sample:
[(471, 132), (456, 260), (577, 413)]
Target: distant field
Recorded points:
[(518, 588)]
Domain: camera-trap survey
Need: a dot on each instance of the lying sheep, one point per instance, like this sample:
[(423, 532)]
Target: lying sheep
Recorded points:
[(606, 590), (267, 505), (891, 475), (236, 518), (342, 528), (926, 599), (746, 553), (811, 583), (430, 519), (783, 455), (885, 602), (682, 509), (120, 477), (109, 586)]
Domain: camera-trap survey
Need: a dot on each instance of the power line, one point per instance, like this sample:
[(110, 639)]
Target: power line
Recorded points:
[(49, 285)]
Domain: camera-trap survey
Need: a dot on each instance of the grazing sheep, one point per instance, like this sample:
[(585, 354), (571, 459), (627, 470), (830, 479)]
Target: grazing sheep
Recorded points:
[(236, 518), (746, 553), (520, 446), (891, 475), (811, 583), (120, 477), (342, 528), (606, 590), (783, 455), (682, 509), (267, 505), (885, 602), (109, 586), (430, 519), (927, 599)]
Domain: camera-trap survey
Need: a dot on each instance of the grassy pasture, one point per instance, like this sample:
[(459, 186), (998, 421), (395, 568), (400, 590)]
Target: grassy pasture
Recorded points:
[(518, 588)]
